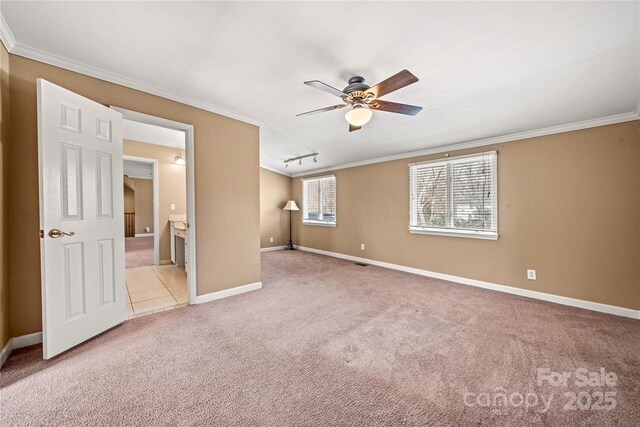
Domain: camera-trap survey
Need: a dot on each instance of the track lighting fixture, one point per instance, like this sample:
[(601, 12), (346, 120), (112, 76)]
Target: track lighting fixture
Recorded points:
[(299, 159)]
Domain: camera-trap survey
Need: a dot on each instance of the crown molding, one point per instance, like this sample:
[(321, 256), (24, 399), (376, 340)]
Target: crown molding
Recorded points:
[(586, 124), (6, 36), (78, 67), (38, 55)]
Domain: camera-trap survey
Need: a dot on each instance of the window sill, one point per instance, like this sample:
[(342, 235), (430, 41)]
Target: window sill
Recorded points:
[(320, 223), (455, 233)]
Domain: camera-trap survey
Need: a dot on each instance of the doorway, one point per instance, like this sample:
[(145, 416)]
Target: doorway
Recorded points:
[(141, 221), (158, 213), (82, 257)]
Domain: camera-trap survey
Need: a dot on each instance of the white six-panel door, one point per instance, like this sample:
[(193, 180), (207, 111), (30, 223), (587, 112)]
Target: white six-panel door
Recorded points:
[(81, 218)]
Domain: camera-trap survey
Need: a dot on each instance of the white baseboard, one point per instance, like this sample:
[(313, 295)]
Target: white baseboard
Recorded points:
[(272, 248), (228, 292), (588, 305), (144, 234), (27, 340), (6, 351), (19, 342)]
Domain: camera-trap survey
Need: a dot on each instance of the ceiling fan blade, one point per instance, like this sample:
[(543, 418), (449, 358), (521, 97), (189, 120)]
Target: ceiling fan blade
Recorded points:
[(325, 87), (320, 110), (352, 128), (395, 82), (394, 107)]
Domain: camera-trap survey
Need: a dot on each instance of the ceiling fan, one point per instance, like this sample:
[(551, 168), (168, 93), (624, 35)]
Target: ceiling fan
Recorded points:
[(363, 99)]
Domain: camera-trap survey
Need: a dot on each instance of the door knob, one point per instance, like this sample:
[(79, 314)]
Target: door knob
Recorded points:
[(55, 233)]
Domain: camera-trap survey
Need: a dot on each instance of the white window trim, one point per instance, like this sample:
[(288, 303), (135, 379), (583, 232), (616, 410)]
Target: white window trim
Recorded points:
[(450, 231), (319, 223), (471, 234), (304, 202), (456, 159)]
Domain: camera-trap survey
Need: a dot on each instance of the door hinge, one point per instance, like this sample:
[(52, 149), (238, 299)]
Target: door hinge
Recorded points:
[(42, 234)]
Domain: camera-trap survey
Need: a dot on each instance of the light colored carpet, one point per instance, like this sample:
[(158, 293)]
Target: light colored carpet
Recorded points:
[(330, 343), (138, 251)]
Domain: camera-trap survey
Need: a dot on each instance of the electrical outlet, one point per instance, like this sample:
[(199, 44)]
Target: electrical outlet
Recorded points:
[(173, 206), (271, 239), (362, 246), (531, 274)]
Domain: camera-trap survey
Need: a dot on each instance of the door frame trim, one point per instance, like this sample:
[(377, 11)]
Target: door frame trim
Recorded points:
[(191, 197), (156, 209)]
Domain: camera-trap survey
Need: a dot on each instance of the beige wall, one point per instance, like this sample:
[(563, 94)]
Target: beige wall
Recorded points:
[(129, 200), (226, 186), (143, 199), (4, 191), (568, 207), (172, 188), (275, 190)]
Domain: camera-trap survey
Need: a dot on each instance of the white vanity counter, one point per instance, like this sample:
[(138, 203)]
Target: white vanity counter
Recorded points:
[(179, 240)]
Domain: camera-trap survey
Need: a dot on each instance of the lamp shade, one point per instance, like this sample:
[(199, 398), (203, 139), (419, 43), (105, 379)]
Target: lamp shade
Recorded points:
[(180, 160), (291, 206), (358, 116)]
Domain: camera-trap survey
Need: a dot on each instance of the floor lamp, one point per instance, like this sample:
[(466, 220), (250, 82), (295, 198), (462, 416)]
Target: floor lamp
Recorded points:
[(290, 206)]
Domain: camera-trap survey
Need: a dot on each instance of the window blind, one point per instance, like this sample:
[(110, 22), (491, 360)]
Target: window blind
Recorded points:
[(319, 200), (456, 196)]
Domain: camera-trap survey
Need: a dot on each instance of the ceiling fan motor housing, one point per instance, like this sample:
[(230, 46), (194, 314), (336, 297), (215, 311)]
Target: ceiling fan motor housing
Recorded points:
[(356, 83)]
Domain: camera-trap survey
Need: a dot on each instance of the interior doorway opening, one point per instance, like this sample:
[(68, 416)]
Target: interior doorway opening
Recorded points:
[(141, 222), (158, 213)]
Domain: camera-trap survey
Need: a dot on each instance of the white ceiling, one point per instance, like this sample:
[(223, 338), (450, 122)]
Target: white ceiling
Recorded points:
[(485, 69), (153, 134)]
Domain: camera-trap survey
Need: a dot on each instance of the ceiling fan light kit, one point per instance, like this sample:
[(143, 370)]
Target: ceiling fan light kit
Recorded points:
[(358, 115), (363, 99)]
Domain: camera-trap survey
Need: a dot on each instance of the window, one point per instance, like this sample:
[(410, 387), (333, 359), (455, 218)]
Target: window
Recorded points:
[(319, 201), (457, 196)]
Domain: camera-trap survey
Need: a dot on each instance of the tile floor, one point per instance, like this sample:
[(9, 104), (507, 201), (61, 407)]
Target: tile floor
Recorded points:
[(155, 288)]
